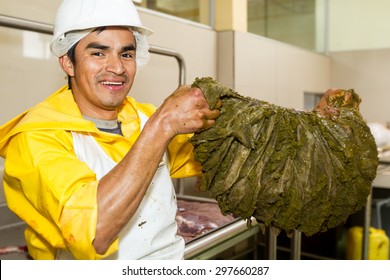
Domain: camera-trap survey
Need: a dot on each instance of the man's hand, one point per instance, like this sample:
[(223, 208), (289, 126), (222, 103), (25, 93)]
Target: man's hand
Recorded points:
[(186, 111)]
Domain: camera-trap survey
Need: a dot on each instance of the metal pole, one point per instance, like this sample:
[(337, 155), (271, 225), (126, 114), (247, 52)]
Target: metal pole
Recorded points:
[(366, 228), (45, 28), (28, 25), (296, 245), (175, 54), (271, 244)]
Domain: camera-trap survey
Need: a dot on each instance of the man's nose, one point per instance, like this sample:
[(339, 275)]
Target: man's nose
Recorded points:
[(115, 65)]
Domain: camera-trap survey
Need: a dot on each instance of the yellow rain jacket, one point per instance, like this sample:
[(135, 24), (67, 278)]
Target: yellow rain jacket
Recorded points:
[(49, 188)]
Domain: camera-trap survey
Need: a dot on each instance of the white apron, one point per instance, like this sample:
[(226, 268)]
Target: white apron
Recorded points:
[(151, 233)]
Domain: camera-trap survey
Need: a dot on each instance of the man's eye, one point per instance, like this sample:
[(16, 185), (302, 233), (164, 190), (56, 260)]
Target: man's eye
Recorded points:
[(128, 55), (97, 54)]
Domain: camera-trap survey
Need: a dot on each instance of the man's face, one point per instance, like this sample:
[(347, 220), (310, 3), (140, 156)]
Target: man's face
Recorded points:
[(103, 72)]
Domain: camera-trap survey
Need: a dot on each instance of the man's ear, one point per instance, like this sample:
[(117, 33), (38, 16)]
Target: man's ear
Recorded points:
[(66, 65)]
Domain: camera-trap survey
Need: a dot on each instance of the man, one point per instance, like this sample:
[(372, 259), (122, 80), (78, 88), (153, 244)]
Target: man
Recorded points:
[(89, 168)]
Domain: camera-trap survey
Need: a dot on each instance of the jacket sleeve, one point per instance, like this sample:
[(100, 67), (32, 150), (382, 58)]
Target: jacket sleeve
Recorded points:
[(53, 192), (181, 157)]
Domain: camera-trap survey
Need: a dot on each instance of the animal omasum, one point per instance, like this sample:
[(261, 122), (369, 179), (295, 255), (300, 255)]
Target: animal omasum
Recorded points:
[(289, 169)]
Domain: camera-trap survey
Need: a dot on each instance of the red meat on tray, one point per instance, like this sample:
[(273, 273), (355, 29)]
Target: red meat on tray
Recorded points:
[(196, 218)]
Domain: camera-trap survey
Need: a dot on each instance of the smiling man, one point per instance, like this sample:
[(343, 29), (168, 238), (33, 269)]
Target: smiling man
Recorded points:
[(105, 74), (89, 169)]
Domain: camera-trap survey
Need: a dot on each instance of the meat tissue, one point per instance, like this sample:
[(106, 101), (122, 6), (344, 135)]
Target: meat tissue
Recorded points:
[(289, 169)]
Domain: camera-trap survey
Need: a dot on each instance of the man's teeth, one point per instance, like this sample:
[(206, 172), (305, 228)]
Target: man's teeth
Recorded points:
[(111, 83)]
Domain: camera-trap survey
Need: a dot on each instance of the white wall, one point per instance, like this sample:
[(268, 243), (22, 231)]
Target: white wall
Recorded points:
[(358, 24), (269, 70), (367, 71), (196, 43), (37, 10), (359, 46)]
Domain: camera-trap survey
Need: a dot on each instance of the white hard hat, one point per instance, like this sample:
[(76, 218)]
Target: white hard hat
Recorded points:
[(76, 18)]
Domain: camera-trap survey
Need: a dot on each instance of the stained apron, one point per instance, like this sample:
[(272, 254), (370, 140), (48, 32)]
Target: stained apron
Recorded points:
[(151, 233)]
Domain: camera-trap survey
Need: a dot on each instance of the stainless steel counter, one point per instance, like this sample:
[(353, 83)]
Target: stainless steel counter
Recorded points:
[(208, 245), (213, 243)]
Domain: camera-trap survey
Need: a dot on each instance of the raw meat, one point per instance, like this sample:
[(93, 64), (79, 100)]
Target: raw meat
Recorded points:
[(196, 218)]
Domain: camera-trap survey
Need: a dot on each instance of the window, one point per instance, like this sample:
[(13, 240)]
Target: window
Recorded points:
[(296, 22), (194, 10), (311, 99)]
